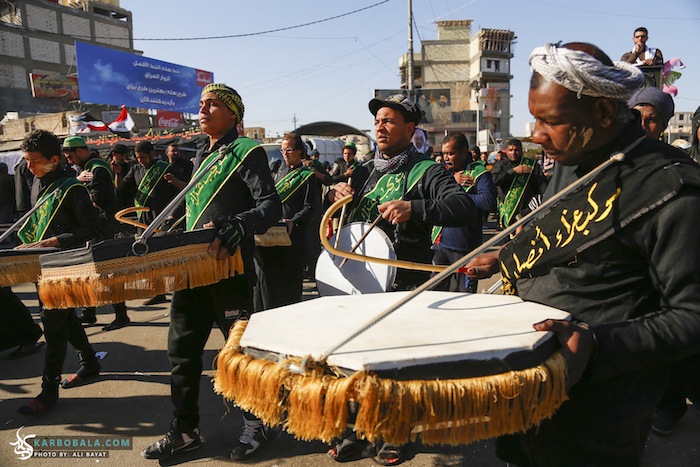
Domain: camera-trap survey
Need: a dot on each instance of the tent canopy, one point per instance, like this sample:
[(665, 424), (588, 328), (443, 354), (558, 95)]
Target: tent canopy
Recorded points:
[(329, 129)]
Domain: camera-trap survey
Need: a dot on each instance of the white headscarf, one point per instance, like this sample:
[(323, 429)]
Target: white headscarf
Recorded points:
[(584, 74)]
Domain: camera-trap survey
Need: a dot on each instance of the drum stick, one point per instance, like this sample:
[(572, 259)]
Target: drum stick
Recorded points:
[(364, 235), (28, 214), (120, 216), (616, 157), (340, 223)]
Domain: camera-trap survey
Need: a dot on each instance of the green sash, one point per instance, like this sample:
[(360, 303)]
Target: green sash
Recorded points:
[(148, 184), (390, 187), (205, 190), (292, 182), (594, 212), (34, 228), (517, 188), (478, 169), (97, 163)]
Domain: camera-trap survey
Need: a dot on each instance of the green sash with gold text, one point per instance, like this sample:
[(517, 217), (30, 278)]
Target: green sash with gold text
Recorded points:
[(292, 182), (517, 188), (34, 228), (390, 187), (205, 190), (478, 168), (154, 174)]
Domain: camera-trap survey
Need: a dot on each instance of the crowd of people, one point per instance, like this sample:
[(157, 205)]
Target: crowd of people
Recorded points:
[(624, 271)]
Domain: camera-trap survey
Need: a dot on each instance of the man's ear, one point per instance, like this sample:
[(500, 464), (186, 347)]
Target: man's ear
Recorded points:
[(55, 159), (606, 110)]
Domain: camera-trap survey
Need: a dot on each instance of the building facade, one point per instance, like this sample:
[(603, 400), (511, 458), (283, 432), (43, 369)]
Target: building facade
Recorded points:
[(462, 83), (38, 36)]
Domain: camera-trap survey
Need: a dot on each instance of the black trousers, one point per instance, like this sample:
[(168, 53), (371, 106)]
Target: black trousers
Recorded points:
[(60, 328), (16, 324), (192, 314)]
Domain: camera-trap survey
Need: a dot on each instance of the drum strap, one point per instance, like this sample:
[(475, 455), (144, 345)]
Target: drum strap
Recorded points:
[(97, 163), (291, 182)]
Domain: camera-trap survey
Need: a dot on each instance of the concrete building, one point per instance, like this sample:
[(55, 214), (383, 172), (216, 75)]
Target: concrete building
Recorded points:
[(681, 126), (468, 73), (38, 36)]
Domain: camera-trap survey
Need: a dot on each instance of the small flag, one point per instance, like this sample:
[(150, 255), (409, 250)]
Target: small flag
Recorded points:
[(84, 123), (124, 124)]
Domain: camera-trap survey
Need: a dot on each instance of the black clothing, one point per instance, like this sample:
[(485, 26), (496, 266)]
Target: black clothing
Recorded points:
[(301, 208), (181, 169), (162, 194), (7, 198), (76, 221), (437, 199), (250, 194), (639, 290), (16, 324), (503, 175), (694, 149), (23, 187), (338, 172)]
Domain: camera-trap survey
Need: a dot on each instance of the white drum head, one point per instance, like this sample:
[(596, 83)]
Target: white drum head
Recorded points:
[(356, 277)]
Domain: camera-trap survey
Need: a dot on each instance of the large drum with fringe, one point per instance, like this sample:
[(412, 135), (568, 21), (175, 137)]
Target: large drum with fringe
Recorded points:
[(20, 266), (455, 368), (111, 271)]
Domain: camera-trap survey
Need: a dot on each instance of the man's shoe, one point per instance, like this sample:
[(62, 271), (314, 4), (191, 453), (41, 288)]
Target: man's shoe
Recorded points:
[(25, 350), (157, 300), (117, 324), (41, 404), (255, 433), (665, 421), (390, 454), (89, 320), (173, 442), (83, 373)]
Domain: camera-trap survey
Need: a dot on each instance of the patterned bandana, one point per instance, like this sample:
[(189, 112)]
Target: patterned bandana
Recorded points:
[(394, 164), (229, 96)]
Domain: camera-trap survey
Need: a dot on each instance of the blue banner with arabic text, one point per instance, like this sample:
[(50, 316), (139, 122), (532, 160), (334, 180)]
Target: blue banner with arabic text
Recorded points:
[(113, 77)]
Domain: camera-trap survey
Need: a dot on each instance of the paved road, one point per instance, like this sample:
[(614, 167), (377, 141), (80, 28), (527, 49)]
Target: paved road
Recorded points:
[(131, 398)]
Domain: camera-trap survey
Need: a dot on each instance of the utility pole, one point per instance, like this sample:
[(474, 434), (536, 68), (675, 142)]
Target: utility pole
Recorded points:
[(294, 121), (409, 74)]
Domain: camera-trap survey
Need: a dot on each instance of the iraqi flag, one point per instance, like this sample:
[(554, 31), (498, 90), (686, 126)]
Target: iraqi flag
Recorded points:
[(84, 123), (124, 124)]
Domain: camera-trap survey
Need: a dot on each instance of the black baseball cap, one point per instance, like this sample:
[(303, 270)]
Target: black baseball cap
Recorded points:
[(397, 102)]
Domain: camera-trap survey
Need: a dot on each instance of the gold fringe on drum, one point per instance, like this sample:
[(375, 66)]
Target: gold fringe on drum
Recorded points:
[(451, 411), (19, 269), (275, 236), (135, 277)]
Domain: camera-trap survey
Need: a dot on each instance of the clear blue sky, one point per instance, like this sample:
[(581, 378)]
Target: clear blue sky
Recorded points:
[(328, 70)]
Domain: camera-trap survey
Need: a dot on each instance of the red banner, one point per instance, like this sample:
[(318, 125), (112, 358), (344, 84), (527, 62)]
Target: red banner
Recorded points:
[(54, 86)]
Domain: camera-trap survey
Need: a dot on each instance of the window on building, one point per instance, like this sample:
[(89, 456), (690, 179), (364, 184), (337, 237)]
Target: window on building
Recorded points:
[(497, 65), (488, 64), (680, 117)]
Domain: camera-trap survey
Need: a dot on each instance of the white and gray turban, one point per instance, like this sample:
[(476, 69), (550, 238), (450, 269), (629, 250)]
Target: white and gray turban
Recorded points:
[(584, 74)]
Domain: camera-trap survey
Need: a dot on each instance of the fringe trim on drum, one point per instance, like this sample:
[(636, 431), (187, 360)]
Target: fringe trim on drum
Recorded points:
[(457, 411), (134, 277), (19, 269), (275, 236)]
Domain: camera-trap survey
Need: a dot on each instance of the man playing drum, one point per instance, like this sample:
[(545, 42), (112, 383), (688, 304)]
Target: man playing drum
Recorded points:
[(411, 193), (238, 197), (615, 254), (67, 220)]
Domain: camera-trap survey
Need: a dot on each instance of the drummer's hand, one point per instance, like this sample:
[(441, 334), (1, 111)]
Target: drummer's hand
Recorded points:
[(46, 243), (483, 266), (307, 162), (395, 211), (290, 225), (578, 345), (340, 191), (85, 176), (231, 232), (116, 167)]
